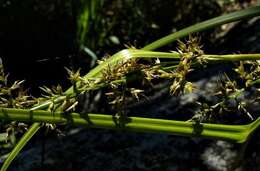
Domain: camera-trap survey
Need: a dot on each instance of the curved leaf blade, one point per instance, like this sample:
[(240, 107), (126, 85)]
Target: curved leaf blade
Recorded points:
[(214, 22)]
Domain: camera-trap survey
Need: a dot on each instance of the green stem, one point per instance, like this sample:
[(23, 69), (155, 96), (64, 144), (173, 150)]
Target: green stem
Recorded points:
[(234, 57), (236, 133)]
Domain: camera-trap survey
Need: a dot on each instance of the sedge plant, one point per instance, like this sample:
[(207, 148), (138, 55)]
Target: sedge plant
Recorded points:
[(115, 73)]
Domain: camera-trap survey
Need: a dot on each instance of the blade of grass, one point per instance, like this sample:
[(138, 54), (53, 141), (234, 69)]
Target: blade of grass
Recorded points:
[(217, 21), (24, 140)]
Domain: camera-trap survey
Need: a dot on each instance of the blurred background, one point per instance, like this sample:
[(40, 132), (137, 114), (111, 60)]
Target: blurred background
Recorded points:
[(39, 38)]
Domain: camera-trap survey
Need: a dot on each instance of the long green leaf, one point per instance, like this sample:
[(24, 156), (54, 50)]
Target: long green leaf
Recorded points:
[(24, 140), (217, 21)]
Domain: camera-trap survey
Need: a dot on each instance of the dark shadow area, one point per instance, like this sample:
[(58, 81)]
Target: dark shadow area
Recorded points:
[(197, 128), (37, 41)]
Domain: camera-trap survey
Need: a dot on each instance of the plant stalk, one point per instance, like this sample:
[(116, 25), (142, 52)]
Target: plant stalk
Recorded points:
[(235, 133)]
